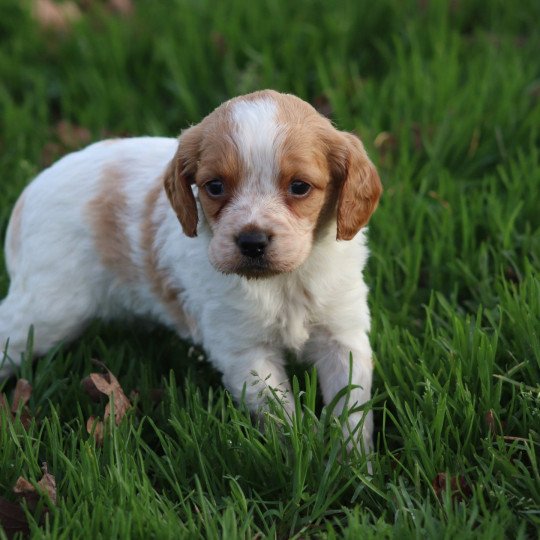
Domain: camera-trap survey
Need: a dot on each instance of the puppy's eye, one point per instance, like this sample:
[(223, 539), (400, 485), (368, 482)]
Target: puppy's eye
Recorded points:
[(215, 188), (299, 188)]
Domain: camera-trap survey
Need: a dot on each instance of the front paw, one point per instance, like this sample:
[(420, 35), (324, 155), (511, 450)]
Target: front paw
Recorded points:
[(358, 432)]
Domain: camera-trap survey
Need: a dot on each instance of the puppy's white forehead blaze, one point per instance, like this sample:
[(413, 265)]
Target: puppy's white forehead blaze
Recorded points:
[(257, 137)]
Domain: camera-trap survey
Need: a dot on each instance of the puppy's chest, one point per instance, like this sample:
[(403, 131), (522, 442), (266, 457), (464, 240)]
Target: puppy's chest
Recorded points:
[(287, 314)]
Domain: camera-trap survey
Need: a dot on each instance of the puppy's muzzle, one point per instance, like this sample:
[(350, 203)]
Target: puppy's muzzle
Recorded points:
[(253, 244)]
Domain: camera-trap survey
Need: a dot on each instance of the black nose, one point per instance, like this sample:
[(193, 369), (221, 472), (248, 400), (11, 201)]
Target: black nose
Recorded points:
[(252, 243)]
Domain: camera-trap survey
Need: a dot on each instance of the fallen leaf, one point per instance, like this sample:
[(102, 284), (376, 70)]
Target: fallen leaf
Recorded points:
[(21, 394), (533, 90), (21, 397), (459, 488), (219, 42), (55, 16), (417, 137), (66, 138), (46, 486), (491, 422), (71, 135), (385, 140), (323, 105), (386, 143), (123, 7), (90, 388), (50, 153), (108, 385), (4, 403), (24, 489), (12, 516), (13, 519), (511, 275), (95, 427), (435, 196), (23, 486)]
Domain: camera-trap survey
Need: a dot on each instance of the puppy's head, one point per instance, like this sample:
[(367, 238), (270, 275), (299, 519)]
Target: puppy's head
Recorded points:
[(271, 174)]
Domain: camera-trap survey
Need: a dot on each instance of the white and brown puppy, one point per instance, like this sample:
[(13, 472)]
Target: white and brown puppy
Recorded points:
[(271, 199)]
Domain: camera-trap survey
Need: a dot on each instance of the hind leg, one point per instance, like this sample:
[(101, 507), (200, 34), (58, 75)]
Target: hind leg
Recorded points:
[(57, 313)]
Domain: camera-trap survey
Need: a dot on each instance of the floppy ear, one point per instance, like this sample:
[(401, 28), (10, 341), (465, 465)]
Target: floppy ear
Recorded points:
[(360, 188), (179, 176)]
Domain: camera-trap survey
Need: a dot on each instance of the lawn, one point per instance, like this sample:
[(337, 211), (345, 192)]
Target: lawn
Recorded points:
[(446, 97)]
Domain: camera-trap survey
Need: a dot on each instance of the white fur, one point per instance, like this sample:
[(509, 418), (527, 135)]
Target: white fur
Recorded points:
[(59, 283), (255, 125)]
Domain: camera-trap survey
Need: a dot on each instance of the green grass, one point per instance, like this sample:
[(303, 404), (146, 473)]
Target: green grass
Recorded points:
[(454, 89)]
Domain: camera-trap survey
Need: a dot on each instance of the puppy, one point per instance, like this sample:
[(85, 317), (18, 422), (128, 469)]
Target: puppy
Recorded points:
[(245, 235)]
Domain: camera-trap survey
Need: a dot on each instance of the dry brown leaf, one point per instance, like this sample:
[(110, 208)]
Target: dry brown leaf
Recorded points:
[(491, 422), (435, 196), (386, 143), (108, 384), (90, 388), (71, 135), (23, 486), (25, 418), (459, 488), (4, 404), (124, 7), (323, 105), (50, 153), (21, 394), (24, 489), (56, 16), (13, 519), (12, 516), (47, 486), (66, 138), (21, 397), (95, 427), (219, 42)]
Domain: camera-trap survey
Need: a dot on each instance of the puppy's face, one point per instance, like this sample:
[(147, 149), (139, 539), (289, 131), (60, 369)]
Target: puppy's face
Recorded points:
[(271, 173)]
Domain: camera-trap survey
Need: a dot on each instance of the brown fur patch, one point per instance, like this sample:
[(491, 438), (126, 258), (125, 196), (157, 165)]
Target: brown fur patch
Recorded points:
[(107, 212), (352, 180), (157, 276), (219, 159), (16, 226), (304, 156), (205, 152), (179, 176), (360, 191)]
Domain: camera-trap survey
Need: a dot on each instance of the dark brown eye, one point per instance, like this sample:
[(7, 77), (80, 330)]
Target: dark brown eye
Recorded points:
[(215, 188), (299, 188)]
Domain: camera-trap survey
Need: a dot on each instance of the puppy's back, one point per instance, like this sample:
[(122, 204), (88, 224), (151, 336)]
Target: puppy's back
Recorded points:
[(53, 215)]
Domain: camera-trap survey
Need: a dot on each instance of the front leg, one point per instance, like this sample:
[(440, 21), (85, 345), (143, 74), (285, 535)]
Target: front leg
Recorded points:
[(256, 375), (332, 358)]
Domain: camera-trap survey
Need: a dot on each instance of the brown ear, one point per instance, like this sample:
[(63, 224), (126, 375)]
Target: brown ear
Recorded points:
[(360, 189), (179, 176)]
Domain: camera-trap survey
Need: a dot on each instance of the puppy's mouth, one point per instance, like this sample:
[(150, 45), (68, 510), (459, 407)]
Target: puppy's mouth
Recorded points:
[(256, 268)]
